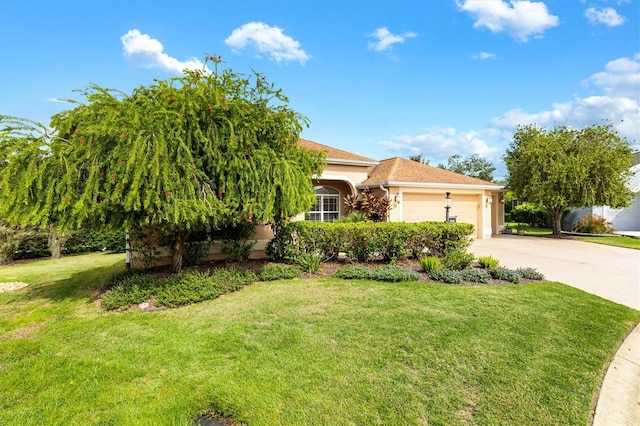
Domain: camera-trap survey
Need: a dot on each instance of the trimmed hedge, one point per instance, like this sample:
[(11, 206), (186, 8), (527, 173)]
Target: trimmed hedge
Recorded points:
[(369, 240)]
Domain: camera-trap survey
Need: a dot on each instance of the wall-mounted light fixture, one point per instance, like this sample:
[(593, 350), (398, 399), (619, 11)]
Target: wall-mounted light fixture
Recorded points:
[(397, 198), (488, 200), (447, 205)]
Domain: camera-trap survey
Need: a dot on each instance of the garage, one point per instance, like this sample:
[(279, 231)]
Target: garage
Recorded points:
[(420, 207)]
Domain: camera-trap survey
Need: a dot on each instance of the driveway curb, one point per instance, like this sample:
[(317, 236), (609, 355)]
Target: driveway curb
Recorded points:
[(619, 400)]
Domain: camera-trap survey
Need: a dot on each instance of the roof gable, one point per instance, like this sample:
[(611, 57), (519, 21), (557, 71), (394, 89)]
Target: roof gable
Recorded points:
[(401, 170), (335, 155)]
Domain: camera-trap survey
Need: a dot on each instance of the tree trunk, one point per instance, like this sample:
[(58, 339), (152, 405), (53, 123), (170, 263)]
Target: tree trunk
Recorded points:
[(178, 245), (555, 213), (55, 241)]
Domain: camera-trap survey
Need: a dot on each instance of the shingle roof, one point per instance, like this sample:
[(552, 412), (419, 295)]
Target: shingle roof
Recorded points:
[(334, 153), (402, 170)]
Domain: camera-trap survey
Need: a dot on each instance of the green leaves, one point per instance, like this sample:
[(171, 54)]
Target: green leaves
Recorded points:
[(205, 148), (566, 167)]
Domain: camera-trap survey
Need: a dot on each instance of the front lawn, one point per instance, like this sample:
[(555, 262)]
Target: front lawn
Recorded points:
[(623, 241), (315, 351)]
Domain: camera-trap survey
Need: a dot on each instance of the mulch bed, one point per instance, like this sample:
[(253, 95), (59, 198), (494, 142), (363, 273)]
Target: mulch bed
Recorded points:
[(327, 269)]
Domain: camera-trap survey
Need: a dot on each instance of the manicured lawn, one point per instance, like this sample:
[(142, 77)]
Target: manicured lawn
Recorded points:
[(303, 352), (626, 242), (530, 230)]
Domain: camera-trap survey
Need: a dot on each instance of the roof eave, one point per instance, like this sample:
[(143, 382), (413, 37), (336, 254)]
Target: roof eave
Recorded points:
[(344, 162), (435, 185)]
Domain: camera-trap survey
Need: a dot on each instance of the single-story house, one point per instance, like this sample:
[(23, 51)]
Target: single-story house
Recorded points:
[(417, 192), (625, 219)]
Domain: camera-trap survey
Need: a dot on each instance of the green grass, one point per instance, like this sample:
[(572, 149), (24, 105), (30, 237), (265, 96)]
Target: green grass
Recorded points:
[(531, 230), (626, 242), (303, 352)]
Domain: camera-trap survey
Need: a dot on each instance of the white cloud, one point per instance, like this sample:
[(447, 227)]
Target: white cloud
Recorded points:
[(521, 19), (621, 77), (606, 16), (148, 52), (384, 40), (268, 40), (618, 104), (483, 56), (58, 100), (438, 144)]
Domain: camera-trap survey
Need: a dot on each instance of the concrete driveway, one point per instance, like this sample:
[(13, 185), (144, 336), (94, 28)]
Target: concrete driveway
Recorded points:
[(612, 273)]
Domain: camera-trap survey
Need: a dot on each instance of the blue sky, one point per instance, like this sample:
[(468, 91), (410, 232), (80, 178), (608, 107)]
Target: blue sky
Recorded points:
[(378, 78)]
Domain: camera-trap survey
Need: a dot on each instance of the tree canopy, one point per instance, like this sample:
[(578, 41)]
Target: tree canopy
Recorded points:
[(565, 167), (419, 158), (473, 166), (209, 148)]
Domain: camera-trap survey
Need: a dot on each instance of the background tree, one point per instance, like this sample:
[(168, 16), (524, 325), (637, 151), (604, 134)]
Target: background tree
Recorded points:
[(205, 149), (566, 167), (419, 158), (473, 166)]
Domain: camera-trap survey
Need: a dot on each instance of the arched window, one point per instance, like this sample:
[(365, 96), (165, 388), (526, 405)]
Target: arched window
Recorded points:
[(326, 207)]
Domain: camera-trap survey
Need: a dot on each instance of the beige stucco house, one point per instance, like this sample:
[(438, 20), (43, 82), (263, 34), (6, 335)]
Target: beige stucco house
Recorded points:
[(417, 190)]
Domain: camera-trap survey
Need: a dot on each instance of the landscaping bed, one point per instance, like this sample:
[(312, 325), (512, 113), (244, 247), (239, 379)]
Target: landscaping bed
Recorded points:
[(327, 269)]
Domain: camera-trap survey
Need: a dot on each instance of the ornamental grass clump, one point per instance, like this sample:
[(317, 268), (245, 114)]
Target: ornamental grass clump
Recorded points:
[(488, 262), (309, 262), (430, 263), (457, 260)]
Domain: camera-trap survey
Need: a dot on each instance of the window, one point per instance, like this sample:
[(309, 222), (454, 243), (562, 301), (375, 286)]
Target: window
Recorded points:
[(326, 207)]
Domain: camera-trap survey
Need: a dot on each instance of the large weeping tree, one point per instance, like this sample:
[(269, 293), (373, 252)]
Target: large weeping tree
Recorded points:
[(210, 148), (565, 167)]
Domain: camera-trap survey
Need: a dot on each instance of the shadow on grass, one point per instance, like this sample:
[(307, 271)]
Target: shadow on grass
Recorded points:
[(83, 284)]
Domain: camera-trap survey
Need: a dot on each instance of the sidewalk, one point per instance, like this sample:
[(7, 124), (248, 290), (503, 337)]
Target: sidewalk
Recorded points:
[(612, 273), (619, 400)]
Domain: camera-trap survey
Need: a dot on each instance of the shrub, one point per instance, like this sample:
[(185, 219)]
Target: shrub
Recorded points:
[(119, 276), (446, 276), (36, 245), (354, 216), (505, 274), (233, 278), (393, 273), (195, 253), (593, 224), (531, 213), (457, 260), (309, 262), (132, 290), (362, 241), (186, 288), (488, 262), (530, 274), (279, 271), (353, 272), (178, 290), (473, 275), (430, 263), (91, 240)]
